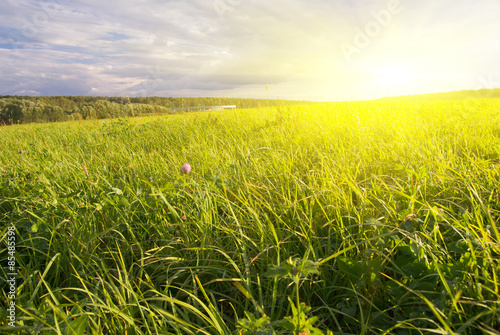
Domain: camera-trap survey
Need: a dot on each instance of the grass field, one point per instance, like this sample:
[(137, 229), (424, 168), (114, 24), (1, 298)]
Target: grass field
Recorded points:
[(345, 218)]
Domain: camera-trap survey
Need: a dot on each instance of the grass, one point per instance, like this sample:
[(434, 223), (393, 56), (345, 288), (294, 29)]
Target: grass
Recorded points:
[(347, 218)]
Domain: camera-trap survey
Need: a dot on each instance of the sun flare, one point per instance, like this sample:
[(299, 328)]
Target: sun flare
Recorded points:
[(395, 76)]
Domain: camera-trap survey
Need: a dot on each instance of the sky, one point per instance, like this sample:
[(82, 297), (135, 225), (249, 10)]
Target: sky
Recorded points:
[(288, 49)]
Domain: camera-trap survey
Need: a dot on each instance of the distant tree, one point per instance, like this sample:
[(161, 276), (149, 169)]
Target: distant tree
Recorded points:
[(12, 112)]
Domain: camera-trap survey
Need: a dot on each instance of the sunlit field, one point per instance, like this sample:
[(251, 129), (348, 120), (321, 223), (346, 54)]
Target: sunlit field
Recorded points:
[(347, 218)]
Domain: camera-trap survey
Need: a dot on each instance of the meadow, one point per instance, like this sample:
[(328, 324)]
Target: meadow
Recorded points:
[(375, 217)]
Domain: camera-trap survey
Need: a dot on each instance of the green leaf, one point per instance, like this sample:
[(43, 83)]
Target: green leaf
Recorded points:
[(460, 247), (293, 268), (404, 249), (351, 268), (372, 268), (309, 267), (415, 270), (78, 325), (116, 191), (34, 228), (403, 260), (254, 326), (347, 308), (277, 272), (123, 202)]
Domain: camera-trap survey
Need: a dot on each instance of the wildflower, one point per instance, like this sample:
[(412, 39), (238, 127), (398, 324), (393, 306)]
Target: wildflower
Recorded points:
[(4, 171), (21, 152), (40, 200), (183, 218), (86, 171), (186, 168), (150, 179)]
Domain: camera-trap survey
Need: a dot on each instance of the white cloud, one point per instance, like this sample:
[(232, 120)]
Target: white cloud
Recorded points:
[(227, 47)]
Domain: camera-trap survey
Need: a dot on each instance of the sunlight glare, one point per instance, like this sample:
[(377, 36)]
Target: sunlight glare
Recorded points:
[(394, 76)]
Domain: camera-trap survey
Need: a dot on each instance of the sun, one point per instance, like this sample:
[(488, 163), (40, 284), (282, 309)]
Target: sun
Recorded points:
[(394, 76)]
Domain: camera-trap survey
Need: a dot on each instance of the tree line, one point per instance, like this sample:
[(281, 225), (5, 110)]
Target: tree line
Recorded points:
[(28, 109), (484, 93)]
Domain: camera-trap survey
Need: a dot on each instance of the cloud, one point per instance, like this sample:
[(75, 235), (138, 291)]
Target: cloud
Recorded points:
[(225, 47)]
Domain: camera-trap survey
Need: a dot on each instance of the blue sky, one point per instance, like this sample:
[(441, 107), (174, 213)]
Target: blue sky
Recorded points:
[(294, 49)]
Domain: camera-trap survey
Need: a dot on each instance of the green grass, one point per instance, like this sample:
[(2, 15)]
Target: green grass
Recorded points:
[(362, 218)]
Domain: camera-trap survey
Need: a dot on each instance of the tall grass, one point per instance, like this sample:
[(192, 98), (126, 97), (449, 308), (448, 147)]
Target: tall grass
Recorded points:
[(395, 205)]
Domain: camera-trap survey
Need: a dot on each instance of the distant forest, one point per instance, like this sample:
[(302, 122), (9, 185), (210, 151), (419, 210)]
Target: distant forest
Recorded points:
[(28, 109), (455, 95)]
